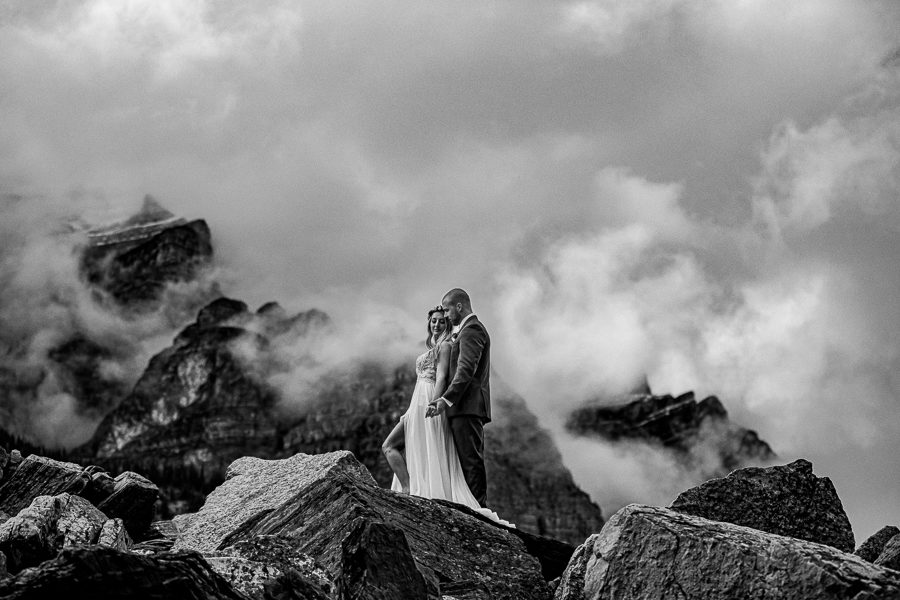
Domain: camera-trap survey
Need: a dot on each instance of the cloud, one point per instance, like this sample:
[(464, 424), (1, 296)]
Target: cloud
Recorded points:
[(320, 357), (809, 174)]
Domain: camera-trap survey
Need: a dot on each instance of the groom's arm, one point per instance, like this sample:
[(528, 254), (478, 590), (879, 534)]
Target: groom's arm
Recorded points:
[(472, 340)]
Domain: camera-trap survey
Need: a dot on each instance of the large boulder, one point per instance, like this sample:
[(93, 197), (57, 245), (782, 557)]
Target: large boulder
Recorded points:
[(42, 476), (102, 572), (651, 552), (787, 500), (133, 500), (79, 522), (254, 487), (128, 496), (114, 535), (28, 538), (319, 500), (38, 476), (49, 524), (871, 549)]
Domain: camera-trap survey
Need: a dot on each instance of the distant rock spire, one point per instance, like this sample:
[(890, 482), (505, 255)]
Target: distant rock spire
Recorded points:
[(149, 221), (151, 212)]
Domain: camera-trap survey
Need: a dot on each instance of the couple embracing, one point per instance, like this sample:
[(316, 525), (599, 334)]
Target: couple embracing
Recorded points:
[(442, 431)]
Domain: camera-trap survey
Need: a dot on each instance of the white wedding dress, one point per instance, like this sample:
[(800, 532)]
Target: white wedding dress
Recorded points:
[(431, 459)]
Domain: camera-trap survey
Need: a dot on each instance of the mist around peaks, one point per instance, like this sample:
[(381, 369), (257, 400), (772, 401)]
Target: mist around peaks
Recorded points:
[(69, 350), (331, 355)]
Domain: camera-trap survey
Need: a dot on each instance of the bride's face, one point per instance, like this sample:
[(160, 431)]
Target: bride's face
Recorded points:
[(438, 323)]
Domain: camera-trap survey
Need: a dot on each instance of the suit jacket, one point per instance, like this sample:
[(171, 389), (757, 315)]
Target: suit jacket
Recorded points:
[(470, 368)]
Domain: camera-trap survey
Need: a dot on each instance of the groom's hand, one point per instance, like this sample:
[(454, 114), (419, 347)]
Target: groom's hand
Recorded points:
[(436, 407)]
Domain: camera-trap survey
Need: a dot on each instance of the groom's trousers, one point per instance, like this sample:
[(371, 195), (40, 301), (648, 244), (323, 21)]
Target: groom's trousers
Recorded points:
[(468, 435)]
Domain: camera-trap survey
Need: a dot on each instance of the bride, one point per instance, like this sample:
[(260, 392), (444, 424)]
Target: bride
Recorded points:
[(431, 468)]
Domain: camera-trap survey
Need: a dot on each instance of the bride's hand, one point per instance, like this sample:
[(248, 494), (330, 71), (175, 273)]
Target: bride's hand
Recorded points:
[(435, 407)]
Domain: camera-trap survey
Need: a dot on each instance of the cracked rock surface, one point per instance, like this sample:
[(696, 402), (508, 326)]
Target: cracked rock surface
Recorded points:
[(651, 552)]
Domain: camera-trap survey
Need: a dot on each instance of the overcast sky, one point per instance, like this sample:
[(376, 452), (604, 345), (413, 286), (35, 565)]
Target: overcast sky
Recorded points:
[(702, 191)]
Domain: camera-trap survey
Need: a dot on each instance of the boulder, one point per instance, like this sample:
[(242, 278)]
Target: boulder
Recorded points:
[(254, 487), (163, 529), (376, 563), (15, 459), (159, 537), (102, 572), (317, 500), (79, 522), (38, 532), (37, 476), (27, 538), (114, 535), (786, 500), (133, 500), (871, 549), (652, 552), (890, 556), (272, 565), (101, 487)]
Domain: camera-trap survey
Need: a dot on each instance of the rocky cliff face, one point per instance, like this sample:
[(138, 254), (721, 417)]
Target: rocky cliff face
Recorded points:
[(134, 261), (699, 433), (200, 405), (134, 270)]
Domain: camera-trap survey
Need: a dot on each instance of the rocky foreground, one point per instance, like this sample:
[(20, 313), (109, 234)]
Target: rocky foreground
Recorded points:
[(318, 527)]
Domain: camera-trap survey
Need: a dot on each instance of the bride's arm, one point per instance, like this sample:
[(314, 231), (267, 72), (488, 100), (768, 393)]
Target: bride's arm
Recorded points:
[(442, 379)]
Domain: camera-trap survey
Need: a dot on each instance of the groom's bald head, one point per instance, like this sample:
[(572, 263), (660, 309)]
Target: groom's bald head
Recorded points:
[(458, 296), (457, 304)]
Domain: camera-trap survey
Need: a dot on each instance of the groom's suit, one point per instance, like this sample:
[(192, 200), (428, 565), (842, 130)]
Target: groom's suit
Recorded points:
[(469, 395)]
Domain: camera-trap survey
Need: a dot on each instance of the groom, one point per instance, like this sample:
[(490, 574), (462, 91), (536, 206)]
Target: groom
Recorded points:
[(467, 400)]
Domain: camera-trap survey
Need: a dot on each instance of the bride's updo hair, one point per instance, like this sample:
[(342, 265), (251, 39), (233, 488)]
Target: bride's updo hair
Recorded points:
[(448, 331)]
